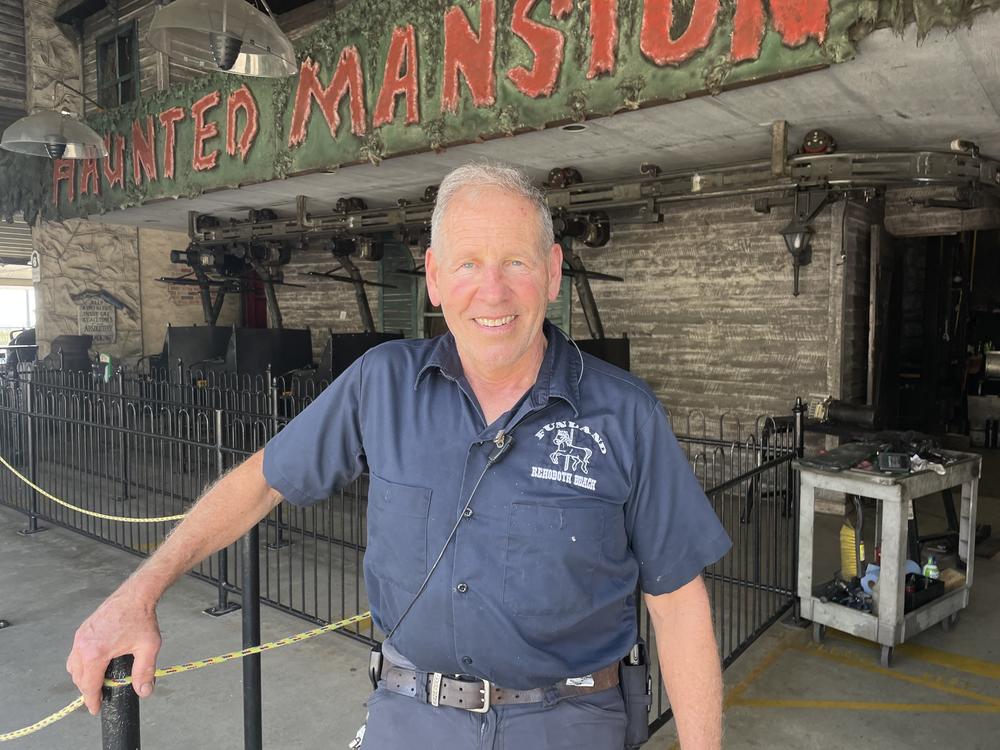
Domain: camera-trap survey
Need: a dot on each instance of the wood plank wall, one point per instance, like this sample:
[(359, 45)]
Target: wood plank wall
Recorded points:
[(707, 303), (13, 65), (857, 219), (106, 21)]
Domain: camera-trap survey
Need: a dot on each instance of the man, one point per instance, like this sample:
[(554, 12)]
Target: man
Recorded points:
[(519, 489)]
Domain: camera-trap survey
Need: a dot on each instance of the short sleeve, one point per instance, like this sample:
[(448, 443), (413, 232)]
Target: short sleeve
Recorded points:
[(673, 531), (321, 449)]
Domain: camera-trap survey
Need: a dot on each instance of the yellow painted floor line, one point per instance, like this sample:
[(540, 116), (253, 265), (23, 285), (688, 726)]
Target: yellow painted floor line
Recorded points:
[(984, 704), (733, 694), (948, 708), (766, 663), (849, 659), (936, 656)]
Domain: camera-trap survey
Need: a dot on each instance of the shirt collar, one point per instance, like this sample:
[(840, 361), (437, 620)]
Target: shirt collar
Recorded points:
[(559, 375)]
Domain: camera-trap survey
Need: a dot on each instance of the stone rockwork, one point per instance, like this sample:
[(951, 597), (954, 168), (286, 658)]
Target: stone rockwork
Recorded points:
[(53, 56), (80, 259), (74, 256)]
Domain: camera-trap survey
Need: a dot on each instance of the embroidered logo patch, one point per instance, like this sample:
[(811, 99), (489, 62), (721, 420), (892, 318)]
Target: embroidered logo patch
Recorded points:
[(573, 446)]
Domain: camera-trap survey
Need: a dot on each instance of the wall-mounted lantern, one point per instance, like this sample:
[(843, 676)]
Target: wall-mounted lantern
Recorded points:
[(798, 233)]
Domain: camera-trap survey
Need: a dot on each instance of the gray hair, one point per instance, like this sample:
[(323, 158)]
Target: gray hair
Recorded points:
[(500, 176)]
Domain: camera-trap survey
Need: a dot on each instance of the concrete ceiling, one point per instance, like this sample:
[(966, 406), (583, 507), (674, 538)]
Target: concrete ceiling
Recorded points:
[(894, 95)]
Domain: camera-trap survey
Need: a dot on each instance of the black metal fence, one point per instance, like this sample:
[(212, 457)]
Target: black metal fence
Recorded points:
[(142, 446), (746, 471)]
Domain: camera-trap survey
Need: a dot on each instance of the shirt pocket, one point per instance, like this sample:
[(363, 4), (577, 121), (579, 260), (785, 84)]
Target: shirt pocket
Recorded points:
[(552, 552), (397, 532)]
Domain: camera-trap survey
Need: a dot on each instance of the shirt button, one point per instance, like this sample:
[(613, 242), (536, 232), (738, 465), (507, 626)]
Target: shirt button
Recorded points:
[(467, 512), (462, 588), (466, 660)]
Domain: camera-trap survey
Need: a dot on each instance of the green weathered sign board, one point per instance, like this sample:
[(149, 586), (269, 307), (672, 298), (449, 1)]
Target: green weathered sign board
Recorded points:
[(388, 77)]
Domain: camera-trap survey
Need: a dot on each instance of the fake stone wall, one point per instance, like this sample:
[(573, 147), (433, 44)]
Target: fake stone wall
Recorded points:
[(52, 57), (80, 259), (76, 256), (77, 260)]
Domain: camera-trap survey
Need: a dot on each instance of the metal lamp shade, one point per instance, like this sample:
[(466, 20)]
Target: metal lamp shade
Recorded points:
[(54, 135), (228, 35)]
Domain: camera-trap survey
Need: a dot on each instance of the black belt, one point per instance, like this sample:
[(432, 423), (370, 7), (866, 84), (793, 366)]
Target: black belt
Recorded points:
[(477, 695)]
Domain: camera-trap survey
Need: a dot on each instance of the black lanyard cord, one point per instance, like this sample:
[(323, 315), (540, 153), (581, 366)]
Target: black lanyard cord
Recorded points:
[(503, 443)]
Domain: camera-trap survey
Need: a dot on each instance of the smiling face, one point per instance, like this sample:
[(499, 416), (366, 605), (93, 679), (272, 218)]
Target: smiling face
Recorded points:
[(493, 281)]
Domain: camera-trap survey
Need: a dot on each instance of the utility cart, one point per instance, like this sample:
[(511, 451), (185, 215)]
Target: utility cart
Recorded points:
[(891, 625)]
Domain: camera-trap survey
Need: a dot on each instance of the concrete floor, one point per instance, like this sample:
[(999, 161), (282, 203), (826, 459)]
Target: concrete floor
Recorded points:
[(785, 692)]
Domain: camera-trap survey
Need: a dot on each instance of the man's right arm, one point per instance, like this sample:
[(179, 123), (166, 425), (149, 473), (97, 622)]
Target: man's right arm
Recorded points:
[(125, 623)]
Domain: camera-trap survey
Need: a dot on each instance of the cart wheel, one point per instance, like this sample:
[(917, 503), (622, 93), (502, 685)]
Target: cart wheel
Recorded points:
[(819, 632), (886, 659), (949, 622)]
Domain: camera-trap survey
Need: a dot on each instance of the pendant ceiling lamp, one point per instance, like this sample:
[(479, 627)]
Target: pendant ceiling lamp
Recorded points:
[(232, 36), (56, 135)]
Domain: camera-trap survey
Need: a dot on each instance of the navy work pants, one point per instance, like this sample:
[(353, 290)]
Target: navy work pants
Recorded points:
[(590, 722)]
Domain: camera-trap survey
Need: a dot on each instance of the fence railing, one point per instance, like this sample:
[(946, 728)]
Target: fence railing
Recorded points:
[(142, 446)]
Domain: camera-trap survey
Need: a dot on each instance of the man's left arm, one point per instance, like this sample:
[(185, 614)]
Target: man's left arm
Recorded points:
[(689, 663)]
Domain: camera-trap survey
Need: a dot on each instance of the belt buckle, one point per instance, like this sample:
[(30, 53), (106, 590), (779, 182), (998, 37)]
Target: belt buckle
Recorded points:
[(434, 694), (487, 688)]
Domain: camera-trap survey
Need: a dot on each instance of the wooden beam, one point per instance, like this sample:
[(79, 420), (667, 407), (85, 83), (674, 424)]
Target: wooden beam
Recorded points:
[(779, 148)]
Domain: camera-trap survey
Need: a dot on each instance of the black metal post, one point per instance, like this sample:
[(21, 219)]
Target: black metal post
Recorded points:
[(799, 410), (252, 703), (29, 403), (279, 521), (119, 709), (124, 435), (582, 283), (223, 606), (800, 434)]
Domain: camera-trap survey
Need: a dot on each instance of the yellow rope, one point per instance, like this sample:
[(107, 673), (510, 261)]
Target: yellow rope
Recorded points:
[(19, 733), (95, 514), (191, 665)]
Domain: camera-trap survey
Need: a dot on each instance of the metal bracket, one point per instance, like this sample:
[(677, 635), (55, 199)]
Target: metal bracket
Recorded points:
[(808, 203), (193, 234), (301, 215)]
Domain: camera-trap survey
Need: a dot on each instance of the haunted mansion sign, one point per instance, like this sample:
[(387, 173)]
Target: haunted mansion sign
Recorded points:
[(389, 77)]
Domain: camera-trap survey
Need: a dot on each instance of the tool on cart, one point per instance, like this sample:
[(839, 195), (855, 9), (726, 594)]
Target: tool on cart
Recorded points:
[(852, 545)]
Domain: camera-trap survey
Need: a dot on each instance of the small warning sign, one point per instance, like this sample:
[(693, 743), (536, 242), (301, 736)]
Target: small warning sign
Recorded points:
[(97, 319)]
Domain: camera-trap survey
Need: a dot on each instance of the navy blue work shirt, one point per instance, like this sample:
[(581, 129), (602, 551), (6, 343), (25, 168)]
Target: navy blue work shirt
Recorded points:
[(538, 584)]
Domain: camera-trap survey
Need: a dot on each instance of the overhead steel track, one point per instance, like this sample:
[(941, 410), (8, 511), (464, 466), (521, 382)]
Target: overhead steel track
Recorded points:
[(642, 197)]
